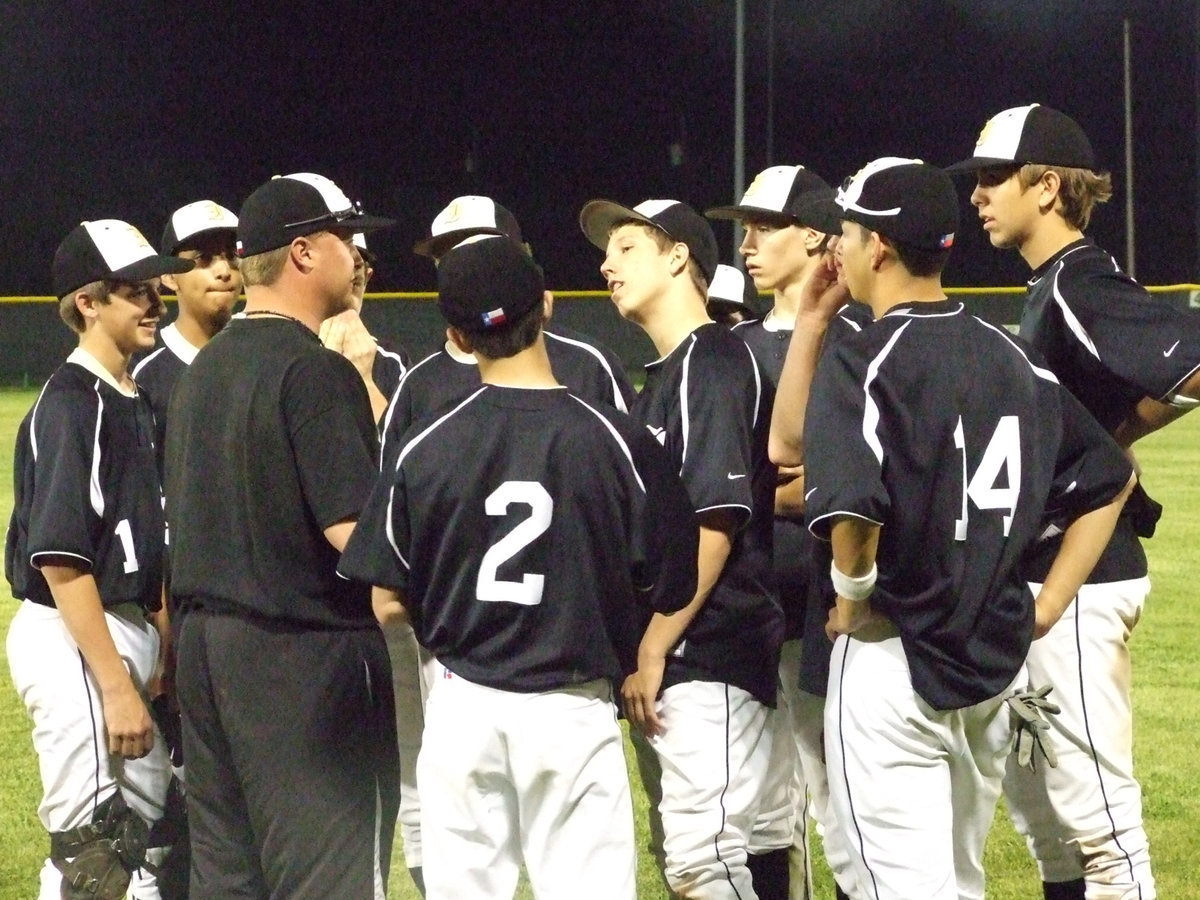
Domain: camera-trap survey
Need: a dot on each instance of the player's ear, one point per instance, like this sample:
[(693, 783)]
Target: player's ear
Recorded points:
[(301, 253), (813, 240), (677, 258), (459, 339), (547, 305), (87, 305), (1048, 186), (169, 282), (879, 251)]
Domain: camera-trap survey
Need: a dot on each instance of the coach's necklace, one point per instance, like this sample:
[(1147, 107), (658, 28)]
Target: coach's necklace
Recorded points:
[(278, 315)]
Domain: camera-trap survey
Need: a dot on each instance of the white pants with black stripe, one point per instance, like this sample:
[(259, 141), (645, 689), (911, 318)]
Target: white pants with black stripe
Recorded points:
[(412, 674), (914, 788), (62, 697), (709, 772), (1083, 819), (538, 778)]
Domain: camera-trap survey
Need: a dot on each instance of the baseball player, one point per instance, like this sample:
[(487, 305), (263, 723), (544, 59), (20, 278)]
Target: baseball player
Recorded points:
[(1133, 363), (203, 232), (703, 696), (785, 243), (84, 555), (527, 575), (588, 369), (282, 675), (935, 447), (347, 334), (730, 296)]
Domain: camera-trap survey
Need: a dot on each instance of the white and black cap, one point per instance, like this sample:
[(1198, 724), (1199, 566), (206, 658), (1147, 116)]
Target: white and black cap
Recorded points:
[(466, 217), (487, 282), (200, 218), (1030, 134), (291, 206), (781, 192), (109, 250), (906, 200), (677, 220), (730, 285)]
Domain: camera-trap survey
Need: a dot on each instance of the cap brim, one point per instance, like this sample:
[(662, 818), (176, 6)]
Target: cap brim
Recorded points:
[(152, 267), (364, 223), (439, 245), (744, 212), (598, 217), (975, 163), (821, 211)]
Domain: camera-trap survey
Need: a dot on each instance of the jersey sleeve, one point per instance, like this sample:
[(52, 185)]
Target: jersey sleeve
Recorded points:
[(376, 551), (1090, 468), (721, 399), (66, 490), (1144, 341), (843, 453), (332, 434)]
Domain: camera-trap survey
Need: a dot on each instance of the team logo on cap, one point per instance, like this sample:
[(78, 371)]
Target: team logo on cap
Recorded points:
[(493, 318), (453, 212), (946, 241)]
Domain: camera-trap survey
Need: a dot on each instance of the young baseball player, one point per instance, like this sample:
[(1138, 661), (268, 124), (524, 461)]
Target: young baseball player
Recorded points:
[(346, 333), (282, 676), (706, 684), (936, 448), (784, 245), (84, 555), (527, 575), (1133, 363), (205, 233)]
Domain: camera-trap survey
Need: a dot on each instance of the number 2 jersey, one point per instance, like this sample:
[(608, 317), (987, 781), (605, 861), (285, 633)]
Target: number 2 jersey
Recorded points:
[(532, 535), (87, 489), (943, 430)]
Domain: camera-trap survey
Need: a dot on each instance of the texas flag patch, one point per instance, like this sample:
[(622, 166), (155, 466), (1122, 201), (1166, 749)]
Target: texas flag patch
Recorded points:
[(495, 317), (946, 240)]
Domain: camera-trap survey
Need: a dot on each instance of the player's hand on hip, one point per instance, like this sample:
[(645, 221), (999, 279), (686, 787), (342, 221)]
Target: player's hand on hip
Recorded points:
[(128, 723), (849, 616), (640, 695)]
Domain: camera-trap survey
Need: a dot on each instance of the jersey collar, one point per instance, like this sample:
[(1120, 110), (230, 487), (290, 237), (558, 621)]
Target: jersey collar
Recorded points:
[(178, 344), (1045, 267), (934, 308), (81, 357)]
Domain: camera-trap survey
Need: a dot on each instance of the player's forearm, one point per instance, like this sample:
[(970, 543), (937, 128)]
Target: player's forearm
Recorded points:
[(1082, 543), (1149, 416), (665, 631), (389, 606), (339, 533), (789, 496), (78, 601), (785, 444), (379, 402)]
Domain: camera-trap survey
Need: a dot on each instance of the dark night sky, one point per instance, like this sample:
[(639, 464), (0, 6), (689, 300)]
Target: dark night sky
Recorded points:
[(130, 109)]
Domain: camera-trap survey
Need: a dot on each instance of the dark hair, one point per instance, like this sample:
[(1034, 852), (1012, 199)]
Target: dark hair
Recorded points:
[(920, 262), (509, 340)]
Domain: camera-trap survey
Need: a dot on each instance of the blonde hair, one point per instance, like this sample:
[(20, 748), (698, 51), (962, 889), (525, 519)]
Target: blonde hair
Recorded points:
[(1079, 190), (264, 268), (97, 292)]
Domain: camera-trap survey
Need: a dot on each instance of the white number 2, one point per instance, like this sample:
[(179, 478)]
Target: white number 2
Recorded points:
[(1003, 450), (125, 532), (527, 591)]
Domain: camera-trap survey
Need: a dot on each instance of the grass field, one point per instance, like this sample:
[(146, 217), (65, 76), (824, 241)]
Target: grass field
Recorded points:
[(1166, 699)]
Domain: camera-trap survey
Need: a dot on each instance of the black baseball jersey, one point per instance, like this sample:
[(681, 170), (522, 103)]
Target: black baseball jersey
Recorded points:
[(157, 372), (943, 430), (1110, 344), (446, 376), (86, 488), (536, 559), (708, 404), (768, 340), (270, 441)]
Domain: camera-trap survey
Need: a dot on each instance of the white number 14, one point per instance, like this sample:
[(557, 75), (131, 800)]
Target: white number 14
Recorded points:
[(1003, 450)]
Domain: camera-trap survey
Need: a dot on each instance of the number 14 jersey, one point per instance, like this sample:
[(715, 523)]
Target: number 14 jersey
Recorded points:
[(946, 432)]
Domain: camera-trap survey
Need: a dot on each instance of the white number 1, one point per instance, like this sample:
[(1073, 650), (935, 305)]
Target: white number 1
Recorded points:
[(1003, 451), (125, 532), (527, 591)]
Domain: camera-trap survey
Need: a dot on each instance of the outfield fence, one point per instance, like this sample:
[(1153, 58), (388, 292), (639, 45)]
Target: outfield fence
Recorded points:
[(33, 340)]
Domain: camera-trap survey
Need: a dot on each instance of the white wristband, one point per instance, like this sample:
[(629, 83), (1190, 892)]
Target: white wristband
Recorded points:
[(855, 589)]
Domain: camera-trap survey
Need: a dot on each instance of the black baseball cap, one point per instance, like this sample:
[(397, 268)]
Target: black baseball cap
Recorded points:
[(108, 250), (676, 220), (466, 217), (781, 192), (291, 206), (906, 200), (1030, 134), (194, 219), (487, 282)]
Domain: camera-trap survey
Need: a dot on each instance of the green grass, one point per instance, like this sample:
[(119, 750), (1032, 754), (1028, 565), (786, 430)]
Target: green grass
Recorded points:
[(1166, 699)]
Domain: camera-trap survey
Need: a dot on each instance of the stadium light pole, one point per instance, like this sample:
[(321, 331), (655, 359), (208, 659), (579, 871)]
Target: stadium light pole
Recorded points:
[(1130, 246), (739, 117)]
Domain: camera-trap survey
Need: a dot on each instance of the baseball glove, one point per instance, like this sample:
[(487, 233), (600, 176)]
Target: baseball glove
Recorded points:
[(1029, 709)]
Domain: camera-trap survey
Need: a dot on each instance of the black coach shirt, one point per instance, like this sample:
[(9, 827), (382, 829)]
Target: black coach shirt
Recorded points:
[(1110, 344), (532, 535), (588, 371), (939, 427), (87, 489), (707, 403), (269, 442)]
